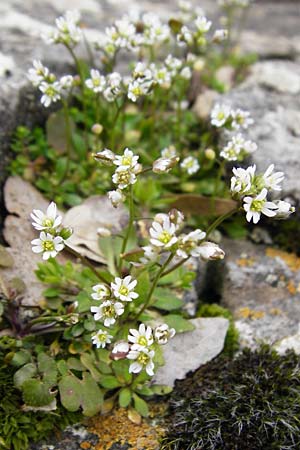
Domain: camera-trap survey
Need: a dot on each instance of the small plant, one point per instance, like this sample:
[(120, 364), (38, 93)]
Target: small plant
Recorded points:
[(251, 402), (97, 340)]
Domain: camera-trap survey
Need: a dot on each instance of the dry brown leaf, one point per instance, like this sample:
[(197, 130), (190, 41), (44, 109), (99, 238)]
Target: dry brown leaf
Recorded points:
[(201, 205), (85, 219)]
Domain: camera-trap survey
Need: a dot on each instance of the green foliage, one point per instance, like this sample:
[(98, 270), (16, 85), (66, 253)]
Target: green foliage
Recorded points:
[(20, 427), (231, 344), (250, 402)]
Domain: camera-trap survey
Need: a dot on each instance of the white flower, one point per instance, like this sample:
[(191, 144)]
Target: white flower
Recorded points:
[(273, 179), (142, 360), (258, 205), (188, 244), (161, 75), (173, 64), (190, 165), (141, 70), (47, 221), (185, 5), (150, 254), (140, 338), (163, 235), (168, 152), (97, 82), (101, 292), (38, 73), (48, 245), (107, 312), (242, 180), (238, 148), (123, 177), (66, 83), (220, 115), (106, 157), (113, 86), (138, 88), (184, 37), (220, 35), (186, 73), (127, 161), (51, 93), (241, 119), (231, 152), (202, 24), (210, 251), (116, 197), (284, 209), (67, 32), (101, 338), (120, 350), (164, 165), (162, 334), (123, 289)]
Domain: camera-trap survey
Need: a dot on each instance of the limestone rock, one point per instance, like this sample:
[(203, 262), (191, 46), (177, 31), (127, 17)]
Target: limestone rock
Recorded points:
[(275, 108), (188, 351), (204, 103), (262, 289)]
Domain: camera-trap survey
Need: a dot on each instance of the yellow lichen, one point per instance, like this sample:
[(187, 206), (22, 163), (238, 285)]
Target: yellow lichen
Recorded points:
[(247, 313), (291, 259)]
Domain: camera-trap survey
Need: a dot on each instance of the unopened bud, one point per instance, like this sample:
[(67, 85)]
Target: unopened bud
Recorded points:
[(103, 232), (220, 36), (199, 64), (164, 165), (210, 154), (106, 157), (97, 128), (65, 233)]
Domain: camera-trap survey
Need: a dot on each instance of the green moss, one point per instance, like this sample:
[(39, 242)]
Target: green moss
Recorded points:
[(212, 310), (19, 428), (250, 402)]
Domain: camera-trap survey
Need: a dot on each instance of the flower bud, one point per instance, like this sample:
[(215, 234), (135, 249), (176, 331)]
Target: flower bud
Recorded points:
[(97, 128), (285, 209), (220, 35), (103, 232), (164, 165), (120, 351), (210, 154), (65, 233), (162, 334), (106, 157), (116, 198)]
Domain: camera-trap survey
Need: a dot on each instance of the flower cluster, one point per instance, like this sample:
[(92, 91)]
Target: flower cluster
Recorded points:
[(52, 89), (141, 345), (112, 299), (166, 237), (52, 235), (67, 31), (253, 189), (125, 173)]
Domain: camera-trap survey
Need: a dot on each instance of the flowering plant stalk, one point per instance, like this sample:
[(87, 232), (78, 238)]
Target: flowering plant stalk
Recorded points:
[(122, 318)]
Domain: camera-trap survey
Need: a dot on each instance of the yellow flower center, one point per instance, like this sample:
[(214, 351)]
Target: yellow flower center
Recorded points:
[(109, 311), (48, 246), (123, 290), (47, 222), (165, 237), (142, 341), (126, 160), (143, 359), (257, 205)]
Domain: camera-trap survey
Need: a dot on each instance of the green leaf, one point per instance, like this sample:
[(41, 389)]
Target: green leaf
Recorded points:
[(36, 393), (121, 370), (161, 389), (62, 367), (142, 288), (109, 382), (88, 361), (140, 405), (51, 292), (70, 392), (125, 397), (75, 364), (84, 302), (20, 358), (47, 367), (166, 299), (179, 323), (91, 396), (25, 373)]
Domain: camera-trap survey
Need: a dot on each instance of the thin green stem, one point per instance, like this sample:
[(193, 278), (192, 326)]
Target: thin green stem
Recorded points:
[(154, 284), (114, 128), (174, 267), (68, 137), (129, 228), (219, 220), (86, 262)]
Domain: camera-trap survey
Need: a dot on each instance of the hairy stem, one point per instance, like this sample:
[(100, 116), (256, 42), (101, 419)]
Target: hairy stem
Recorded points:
[(86, 262)]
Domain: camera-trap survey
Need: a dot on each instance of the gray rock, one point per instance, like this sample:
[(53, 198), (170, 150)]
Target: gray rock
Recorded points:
[(188, 351), (275, 107), (261, 288)]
